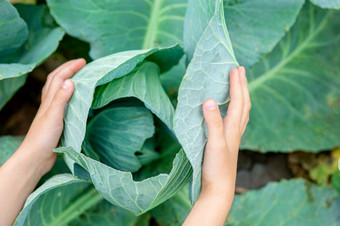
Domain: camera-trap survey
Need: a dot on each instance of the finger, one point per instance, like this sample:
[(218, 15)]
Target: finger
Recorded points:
[(246, 102), (214, 121), (245, 125), (51, 75), (235, 108), (58, 79), (62, 96)]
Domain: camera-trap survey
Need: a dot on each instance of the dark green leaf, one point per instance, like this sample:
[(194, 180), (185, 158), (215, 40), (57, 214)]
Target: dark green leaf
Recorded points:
[(112, 26), (295, 89), (116, 134), (255, 26), (13, 29), (43, 39), (8, 145), (292, 202)]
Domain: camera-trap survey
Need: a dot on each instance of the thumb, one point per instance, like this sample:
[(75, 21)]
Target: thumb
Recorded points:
[(60, 99), (214, 121)]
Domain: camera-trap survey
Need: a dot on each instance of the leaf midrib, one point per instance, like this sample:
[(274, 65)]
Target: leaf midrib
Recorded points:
[(151, 30), (266, 76), (78, 207)]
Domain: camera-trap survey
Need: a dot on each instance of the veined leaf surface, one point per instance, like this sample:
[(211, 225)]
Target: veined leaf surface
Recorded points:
[(120, 189), (292, 202), (58, 201), (295, 89), (112, 26), (255, 26), (67, 200), (206, 77)]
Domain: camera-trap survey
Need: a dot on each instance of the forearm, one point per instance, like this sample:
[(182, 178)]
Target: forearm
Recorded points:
[(211, 208), (18, 178)]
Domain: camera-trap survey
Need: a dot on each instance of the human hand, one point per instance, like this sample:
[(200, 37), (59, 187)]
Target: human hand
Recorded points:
[(224, 135), (21, 172), (47, 126), (221, 153)]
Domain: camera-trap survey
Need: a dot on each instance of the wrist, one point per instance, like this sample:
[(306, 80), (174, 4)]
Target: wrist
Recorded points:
[(36, 161), (220, 192)]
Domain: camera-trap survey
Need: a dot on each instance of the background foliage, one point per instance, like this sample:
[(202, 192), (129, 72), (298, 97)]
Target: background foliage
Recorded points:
[(291, 52)]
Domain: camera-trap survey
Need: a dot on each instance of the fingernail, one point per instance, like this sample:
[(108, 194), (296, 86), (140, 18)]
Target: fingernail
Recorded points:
[(210, 105), (67, 84), (79, 59)]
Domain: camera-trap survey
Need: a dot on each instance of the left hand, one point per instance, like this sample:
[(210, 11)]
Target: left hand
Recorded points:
[(47, 126), (20, 174)]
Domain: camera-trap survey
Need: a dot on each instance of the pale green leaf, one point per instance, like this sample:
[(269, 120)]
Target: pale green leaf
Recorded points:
[(112, 26), (117, 133), (120, 189), (331, 4), (255, 26), (144, 84), (292, 202), (58, 201), (8, 145), (206, 77), (295, 89)]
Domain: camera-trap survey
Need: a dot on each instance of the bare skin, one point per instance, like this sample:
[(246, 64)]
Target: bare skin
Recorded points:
[(35, 157), (220, 158)]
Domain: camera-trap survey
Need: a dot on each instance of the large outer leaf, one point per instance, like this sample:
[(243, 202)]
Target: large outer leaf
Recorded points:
[(292, 202), (206, 77), (143, 84), (331, 4), (116, 134), (43, 39), (120, 189), (58, 201), (116, 25), (8, 145), (13, 29), (67, 200), (295, 90), (255, 26)]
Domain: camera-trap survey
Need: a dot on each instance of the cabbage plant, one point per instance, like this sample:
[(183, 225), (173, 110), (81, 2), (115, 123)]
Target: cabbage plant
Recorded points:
[(134, 132)]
